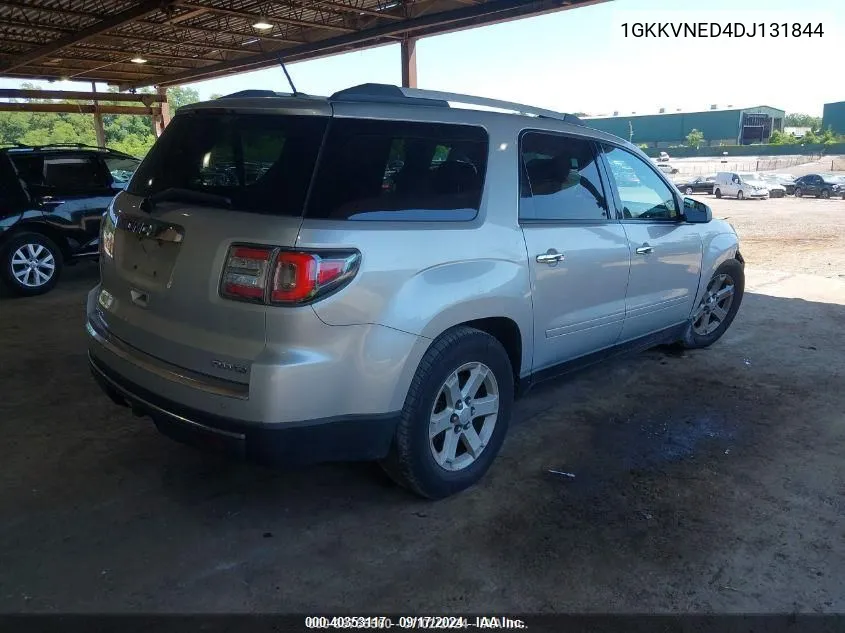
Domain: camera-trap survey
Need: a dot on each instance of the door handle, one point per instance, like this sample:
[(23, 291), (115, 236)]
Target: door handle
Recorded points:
[(551, 256), (645, 249)]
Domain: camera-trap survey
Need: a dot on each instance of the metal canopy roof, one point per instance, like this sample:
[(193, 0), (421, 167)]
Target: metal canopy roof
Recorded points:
[(184, 41)]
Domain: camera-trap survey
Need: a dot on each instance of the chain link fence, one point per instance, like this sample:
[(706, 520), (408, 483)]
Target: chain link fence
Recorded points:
[(837, 163), (767, 164)]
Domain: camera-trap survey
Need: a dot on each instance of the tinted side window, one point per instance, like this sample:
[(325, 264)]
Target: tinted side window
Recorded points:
[(563, 179), (11, 192), (30, 168), (393, 170), (642, 192), (75, 173)]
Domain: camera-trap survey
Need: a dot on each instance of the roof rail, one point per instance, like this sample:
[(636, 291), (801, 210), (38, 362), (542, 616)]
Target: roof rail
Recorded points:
[(86, 145), (386, 93), (252, 93), (24, 146)]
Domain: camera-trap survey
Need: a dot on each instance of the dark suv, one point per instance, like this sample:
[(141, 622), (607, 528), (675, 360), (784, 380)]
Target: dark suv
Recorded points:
[(819, 185), (52, 199)]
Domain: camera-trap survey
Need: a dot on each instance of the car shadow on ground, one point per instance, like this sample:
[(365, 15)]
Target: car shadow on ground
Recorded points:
[(667, 464)]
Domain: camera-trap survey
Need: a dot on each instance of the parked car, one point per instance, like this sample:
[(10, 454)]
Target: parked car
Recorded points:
[(840, 179), (819, 185), (696, 184), (663, 157), (312, 315), (740, 186), (772, 182), (787, 181), (52, 198), (667, 169)]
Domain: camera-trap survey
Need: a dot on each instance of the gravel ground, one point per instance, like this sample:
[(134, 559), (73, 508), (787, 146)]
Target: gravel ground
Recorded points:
[(803, 235), (709, 482)]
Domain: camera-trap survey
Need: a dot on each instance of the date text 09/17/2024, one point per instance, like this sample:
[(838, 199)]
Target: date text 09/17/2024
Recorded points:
[(413, 622)]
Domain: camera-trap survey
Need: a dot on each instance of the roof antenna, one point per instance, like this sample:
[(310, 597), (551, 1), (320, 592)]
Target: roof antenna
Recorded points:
[(287, 74)]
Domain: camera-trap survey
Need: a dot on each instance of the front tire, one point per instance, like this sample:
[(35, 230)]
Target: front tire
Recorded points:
[(718, 307), (455, 416), (740, 195), (688, 191), (798, 192), (30, 264), (718, 193)]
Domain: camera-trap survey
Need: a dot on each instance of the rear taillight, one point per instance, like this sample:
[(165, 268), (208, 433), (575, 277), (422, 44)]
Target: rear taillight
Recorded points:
[(246, 272), (270, 275)]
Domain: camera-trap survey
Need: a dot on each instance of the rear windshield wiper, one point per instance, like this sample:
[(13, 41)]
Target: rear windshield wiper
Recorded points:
[(178, 194)]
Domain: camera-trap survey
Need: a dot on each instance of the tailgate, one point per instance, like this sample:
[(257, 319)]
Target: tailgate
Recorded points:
[(162, 281)]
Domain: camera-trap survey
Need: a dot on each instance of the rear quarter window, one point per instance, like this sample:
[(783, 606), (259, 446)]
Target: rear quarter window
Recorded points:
[(393, 170)]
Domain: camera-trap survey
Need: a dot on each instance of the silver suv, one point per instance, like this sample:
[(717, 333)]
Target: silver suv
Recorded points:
[(376, 275)]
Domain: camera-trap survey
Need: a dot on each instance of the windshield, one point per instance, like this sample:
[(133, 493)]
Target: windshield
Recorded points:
[(747, 177), (121, 168), (260, 163)]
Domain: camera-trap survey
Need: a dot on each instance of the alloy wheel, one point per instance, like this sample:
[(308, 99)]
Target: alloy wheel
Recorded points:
[(463, 416), (33, 265), (715, 305)]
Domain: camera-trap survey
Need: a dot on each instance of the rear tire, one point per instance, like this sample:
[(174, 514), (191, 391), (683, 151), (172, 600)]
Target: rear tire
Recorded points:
[(30, 264), (419, 460), (826, 194), (718, 193), (699, 334), (688, 191)]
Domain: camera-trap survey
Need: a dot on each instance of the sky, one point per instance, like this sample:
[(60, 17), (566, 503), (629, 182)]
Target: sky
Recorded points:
[(580, 61)]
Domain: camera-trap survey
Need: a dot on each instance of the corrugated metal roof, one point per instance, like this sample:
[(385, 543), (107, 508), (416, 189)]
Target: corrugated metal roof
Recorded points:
[(188, 40), (670, 111)]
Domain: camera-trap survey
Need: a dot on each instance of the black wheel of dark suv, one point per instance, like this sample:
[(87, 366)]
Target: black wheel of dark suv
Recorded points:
[(31, 264)]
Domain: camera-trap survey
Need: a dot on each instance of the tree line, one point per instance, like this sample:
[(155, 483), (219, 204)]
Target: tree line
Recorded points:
[(132, 134)]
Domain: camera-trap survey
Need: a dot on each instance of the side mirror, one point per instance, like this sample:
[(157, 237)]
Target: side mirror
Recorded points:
[(696, 212)]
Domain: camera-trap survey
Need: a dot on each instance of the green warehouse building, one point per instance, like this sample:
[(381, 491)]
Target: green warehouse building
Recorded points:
[(729, 126), (834, 117)]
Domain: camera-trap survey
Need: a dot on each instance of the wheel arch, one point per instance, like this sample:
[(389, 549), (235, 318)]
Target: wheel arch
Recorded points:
[(506, 329), (717, 249), (34, 225)]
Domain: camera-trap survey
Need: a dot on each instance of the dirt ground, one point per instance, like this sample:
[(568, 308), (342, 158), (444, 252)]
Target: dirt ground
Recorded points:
[(711, 481)]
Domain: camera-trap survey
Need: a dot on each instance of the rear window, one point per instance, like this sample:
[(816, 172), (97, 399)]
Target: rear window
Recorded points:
[(262, 163), (394, 170)]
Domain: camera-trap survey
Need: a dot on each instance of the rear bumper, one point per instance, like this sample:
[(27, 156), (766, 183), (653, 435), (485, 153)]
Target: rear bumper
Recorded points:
[(347, 438)]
